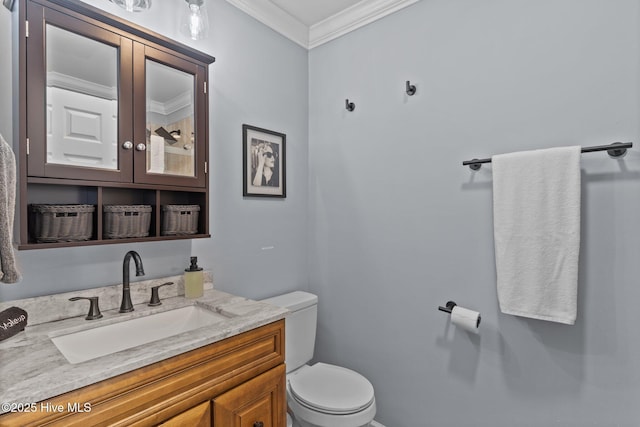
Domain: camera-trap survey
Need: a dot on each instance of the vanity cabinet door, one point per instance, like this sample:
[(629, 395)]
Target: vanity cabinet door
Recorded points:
[(79, 99), (198, 416), (260, 402), (169, 119)]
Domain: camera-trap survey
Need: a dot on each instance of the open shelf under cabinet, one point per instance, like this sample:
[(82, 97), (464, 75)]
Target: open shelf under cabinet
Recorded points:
[(48, 191)]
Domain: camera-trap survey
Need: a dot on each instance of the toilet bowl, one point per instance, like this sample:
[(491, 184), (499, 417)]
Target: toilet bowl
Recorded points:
[(320, 395), (324, 395)]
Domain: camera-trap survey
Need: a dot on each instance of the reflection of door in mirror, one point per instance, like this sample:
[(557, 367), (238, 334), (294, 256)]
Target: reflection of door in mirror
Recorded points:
[(170, 120), (82, 100)]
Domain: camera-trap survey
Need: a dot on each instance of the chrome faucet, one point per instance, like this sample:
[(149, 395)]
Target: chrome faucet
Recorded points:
[(126, 306)]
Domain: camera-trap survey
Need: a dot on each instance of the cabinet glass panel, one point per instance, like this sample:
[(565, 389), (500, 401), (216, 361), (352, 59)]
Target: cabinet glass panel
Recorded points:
[(81, 100), (170, 120)]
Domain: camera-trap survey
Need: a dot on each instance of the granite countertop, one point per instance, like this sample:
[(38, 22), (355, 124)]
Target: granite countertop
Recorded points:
[(32, 369)]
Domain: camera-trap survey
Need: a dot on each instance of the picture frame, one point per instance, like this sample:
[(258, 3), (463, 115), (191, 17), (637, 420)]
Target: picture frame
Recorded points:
[(264, 162)]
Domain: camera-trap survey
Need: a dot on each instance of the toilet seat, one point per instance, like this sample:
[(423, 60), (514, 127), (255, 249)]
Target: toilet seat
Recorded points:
[(331, 389)]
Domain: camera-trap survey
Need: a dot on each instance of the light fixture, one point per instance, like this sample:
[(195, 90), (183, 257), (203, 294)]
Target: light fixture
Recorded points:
[(133, 5), (195, 22)]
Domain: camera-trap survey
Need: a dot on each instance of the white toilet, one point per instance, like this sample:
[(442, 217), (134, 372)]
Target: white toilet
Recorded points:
[(319, 395)]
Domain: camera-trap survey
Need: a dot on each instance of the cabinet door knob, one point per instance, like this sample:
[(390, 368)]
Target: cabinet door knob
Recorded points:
[(128, 145), (258, 424), (141, 147)]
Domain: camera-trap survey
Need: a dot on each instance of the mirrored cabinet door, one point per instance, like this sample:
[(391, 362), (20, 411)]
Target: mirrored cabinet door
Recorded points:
[(169, 116), (79, 100)]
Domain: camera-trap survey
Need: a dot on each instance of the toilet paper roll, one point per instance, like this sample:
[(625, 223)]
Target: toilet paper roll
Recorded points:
[(466, 319)]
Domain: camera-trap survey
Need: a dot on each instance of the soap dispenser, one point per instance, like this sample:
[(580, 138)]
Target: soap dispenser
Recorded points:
[(193, 280)]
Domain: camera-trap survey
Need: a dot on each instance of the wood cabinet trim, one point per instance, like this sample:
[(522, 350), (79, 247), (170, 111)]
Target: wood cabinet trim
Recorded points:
[(107, 184), (198, 416)]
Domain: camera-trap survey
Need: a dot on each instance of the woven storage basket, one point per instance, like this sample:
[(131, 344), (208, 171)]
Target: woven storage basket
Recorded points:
[(179, 219), (121, 221), (61, 223)]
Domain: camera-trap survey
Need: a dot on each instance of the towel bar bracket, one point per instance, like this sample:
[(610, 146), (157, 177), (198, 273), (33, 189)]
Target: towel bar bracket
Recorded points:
[(475, 166), (617, 152)]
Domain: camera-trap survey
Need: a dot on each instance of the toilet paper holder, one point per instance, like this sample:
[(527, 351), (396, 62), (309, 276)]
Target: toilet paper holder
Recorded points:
[(449, 306)]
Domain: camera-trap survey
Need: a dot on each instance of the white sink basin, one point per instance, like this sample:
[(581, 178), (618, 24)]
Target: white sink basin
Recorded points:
[(91, 343)]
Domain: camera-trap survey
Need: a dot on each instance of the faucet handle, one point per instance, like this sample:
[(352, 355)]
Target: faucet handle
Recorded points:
[(94, 308), (155, 297)]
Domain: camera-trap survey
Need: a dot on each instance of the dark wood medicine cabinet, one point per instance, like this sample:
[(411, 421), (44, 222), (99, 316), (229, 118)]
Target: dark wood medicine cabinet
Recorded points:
[(110, 114)]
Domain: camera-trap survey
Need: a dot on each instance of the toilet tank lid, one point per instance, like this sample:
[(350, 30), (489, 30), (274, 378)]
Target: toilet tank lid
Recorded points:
[(294, 301)]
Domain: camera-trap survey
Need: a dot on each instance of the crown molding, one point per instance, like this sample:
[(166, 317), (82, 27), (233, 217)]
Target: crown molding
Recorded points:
[(352, 18), (275, 18), (75, 84)]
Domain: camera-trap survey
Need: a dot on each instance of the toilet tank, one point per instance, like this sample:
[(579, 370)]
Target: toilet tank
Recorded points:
[(300, 326)]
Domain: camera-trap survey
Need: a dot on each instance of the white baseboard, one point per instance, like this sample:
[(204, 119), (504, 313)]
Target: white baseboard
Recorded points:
[(374, 423)]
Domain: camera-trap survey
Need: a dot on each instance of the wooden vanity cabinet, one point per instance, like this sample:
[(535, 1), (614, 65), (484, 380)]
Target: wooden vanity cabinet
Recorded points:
[(110, 114), (256, 403), (198, 416), (239, 381)]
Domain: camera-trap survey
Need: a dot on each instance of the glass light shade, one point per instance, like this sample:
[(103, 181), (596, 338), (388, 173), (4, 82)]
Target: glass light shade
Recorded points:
[(195, 21), (133, 5)]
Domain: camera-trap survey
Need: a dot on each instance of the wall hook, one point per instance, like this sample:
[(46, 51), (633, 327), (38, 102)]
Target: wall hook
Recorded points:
[(350, 106), (411, 89)]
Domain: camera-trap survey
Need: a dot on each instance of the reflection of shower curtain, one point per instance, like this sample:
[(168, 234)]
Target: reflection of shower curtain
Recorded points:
[(8, 271)]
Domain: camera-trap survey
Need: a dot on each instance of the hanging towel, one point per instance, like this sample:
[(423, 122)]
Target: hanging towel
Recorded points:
[(8, 270), (536, 214)]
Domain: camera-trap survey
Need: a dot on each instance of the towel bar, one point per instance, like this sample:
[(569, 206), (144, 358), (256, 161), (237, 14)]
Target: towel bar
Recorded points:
[(617, 149)]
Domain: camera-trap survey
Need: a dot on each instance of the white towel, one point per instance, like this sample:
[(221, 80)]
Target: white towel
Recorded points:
[(8, 271), (536, 214), (156, 152)]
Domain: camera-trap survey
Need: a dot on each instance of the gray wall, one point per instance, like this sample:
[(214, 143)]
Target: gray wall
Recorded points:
[(385, 224), (398, 226), (259, 78)]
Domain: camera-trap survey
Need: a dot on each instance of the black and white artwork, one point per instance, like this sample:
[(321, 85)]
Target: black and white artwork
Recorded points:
[(264, 165)]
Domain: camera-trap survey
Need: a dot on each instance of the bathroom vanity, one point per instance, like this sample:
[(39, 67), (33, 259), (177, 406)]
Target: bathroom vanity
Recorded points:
[(230, 373)]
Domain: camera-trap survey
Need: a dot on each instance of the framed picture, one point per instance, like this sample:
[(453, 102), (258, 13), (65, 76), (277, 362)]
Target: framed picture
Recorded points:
[(264, 162)]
